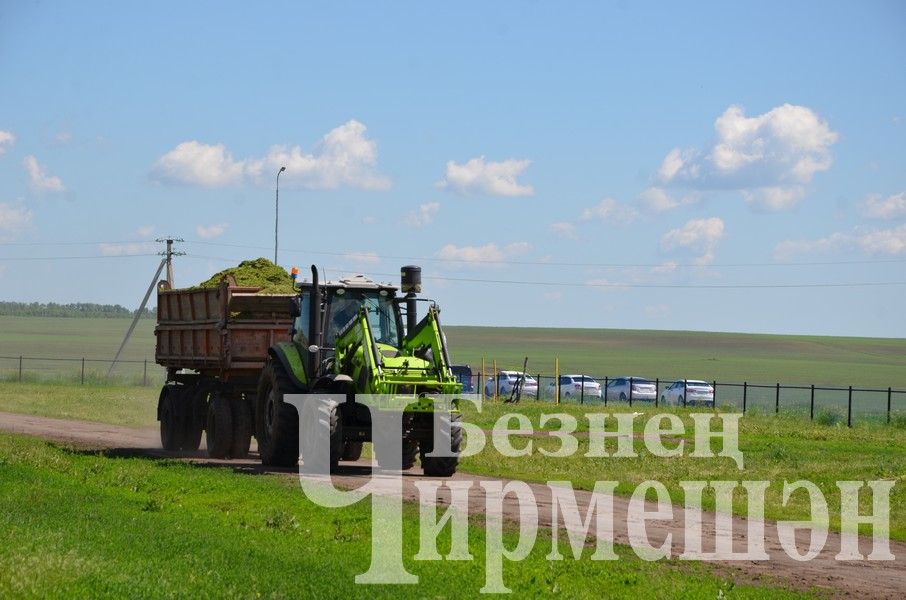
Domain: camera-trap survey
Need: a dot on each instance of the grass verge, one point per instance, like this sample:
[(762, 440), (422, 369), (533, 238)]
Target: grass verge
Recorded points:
[(75, 524)]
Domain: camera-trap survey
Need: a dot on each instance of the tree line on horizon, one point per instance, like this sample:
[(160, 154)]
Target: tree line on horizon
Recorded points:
[(75, 309)]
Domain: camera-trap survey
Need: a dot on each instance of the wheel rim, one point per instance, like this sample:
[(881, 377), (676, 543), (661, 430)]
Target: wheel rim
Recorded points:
[(270, 413)]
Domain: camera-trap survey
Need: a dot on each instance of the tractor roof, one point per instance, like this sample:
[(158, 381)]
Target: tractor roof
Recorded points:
[(360, 282)]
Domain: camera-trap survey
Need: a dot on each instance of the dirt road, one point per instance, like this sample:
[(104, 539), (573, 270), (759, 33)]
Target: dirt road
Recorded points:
[(857, 579)]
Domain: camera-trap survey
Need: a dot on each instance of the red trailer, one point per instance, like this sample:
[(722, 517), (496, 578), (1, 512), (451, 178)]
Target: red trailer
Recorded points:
[(214, 343)]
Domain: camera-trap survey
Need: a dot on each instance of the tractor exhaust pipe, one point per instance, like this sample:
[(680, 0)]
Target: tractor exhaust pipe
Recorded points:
[(411, 284), (314, 324)]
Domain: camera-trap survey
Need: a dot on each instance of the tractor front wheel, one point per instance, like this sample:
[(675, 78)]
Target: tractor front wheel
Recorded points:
[(443, 466)]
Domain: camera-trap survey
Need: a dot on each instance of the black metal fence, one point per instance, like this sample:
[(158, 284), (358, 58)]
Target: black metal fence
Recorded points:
[(827, 404), (80, 370)]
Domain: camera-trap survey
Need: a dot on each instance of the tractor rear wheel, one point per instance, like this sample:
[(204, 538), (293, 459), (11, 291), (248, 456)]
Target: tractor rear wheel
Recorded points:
[(220, 427), (276, 422), (443, 466)]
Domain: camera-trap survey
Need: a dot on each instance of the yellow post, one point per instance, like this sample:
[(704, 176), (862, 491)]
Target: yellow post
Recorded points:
[(481, 379), (557, 377), (496, 383)]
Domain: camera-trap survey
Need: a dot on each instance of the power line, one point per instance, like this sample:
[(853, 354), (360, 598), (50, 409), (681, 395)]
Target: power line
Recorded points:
[(96, 256), (559, 263)]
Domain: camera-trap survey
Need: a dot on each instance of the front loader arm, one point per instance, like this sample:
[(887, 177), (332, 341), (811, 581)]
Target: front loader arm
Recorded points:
[(427, 335), (354, 336)]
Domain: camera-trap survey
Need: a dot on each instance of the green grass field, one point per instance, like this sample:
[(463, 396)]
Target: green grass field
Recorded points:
[(76, 524), (775, 448)]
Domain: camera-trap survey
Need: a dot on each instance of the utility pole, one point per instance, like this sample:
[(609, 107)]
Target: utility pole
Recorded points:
[(167, 262), (277, 212), (169, 253)]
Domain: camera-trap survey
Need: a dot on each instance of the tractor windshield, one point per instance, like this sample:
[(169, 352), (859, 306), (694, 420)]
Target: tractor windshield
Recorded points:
[(381, 314)]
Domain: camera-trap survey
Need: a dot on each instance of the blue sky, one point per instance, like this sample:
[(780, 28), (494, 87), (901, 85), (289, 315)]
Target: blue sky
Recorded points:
[(711, 166)]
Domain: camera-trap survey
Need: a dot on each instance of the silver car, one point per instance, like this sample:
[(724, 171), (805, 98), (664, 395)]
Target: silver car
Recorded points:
[(507, 380), (689, 392), (637, 388), (572, 386)]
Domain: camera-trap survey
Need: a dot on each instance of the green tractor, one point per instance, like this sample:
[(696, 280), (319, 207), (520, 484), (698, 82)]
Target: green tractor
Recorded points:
[(348, 338)]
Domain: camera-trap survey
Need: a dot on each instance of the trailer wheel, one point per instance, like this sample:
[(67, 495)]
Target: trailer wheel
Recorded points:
[(242, 427), (443, 466), (220, 427), (193, 414), (276, 422), (352, 451), (171, 431)]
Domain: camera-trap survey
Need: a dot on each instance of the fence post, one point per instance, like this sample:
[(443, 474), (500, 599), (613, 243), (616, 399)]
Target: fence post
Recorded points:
[(145, 374), (630, 391), (777, 400), (657, 388), (684, 393), (20, 369), (496, 381), (849, 408), (83, 370), (888, 405), (811, 405), (481, 381), (745, 390), (557, 379), (714, 394), (582, 390), (605, 390), (538, 392)]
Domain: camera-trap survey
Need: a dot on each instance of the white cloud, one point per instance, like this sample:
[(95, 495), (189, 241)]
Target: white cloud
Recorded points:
[(40, 180), (564, 230), (424, 215), (552, 296), (665, 268), (13, 219), (145, 231), (878, 207), (783, 147), (7, 139), (195, 163), (366, 258), (127, 249), (697, 235), (208, 232), (774, 199), (487, 255), (62, 137), (609, 210), (343, 157), (657, 199), (492, 178), (877, 241)]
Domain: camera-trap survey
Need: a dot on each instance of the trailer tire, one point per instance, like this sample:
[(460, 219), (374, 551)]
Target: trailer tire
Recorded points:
[(193, 411), (171, 430), (276, 422), (220, 427), (443, 466), (242, 427), (351, 451)]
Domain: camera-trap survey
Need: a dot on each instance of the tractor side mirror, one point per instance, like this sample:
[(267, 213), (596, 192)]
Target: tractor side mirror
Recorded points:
[(295, 307)]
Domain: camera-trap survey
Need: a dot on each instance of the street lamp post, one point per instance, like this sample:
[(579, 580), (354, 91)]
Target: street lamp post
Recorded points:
[(277, 212)]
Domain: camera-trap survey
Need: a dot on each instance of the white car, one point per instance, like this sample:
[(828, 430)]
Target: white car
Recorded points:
[(689, 392), (508, 379), (636, 388), (571, 387)]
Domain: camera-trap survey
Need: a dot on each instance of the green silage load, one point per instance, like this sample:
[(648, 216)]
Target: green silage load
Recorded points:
[(271, 278)]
